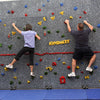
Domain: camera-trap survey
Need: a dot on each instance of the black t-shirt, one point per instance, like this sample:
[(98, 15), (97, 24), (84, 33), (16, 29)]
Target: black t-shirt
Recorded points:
[(81, 38)]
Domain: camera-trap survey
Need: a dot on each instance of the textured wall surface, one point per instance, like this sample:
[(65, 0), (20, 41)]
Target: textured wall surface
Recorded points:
[(92, 7)]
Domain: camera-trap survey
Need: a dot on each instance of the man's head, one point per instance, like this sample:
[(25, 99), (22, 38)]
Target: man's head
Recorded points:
[(80, 26), (28, 27)]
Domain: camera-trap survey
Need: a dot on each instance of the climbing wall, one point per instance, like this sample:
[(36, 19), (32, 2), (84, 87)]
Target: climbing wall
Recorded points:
[(52, 61)]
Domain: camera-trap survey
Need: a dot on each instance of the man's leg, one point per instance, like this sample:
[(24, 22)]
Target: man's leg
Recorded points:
[(73, 65)]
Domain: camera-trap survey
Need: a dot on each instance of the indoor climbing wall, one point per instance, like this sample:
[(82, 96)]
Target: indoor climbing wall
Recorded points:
[(53, 53)]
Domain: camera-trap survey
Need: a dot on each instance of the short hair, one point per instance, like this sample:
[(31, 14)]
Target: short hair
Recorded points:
[(81, 26), (28, 27)]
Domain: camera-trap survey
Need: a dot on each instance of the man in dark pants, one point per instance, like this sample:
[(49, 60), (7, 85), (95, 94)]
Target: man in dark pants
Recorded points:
[(82, 49)]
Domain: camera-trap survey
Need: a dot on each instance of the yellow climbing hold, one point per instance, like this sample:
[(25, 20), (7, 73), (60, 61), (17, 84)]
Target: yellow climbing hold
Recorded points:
[(41, 77), (61, 13), (28, 81), (49, 68), (40, 23), (53, 17), (13, 33), (15, 77), (5, 25), (63, 63), (5, 69), (44, 19), (87, 77), (77, 67), (71, 17)]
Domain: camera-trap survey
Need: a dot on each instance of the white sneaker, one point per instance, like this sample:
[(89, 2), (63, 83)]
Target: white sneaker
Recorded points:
[(9, 66), (32, 74), (72, 74), (89, 69)]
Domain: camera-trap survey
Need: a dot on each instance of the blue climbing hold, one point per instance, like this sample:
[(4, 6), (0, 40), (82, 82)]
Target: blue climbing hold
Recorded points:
[(0, 20), (36, 64), (58, 59), (8, 11), (43, 5), (2, 74), (75, 8), (98, 25), (95, 67), (48, 0), (14, 69), (61, 4), (25, 6)]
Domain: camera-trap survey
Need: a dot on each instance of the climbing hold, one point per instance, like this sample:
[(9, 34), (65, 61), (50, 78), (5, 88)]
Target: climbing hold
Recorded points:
[(71, 17), (44, 27), (28, 81), (5, 69), (48, 0), (86, 77), (43, 5), (61, 13), (75, 8), (53, 17), (13, 33), (12, 11), (82, 72), (44, 18), (25, 6), (52, 13), (11, 82), (45, 73), (44, 33), (18, 37), (9, 35), (54, 64), (10, 47), (40, 23), (2, 74), (28, 64), (77, 67), (1, 64), (63, 63), (98, 25), (95, 67), (0, 45), (0, 20), (5, 25), (19, 82), (62, 35), (40, 60), (14, 69), (80, 16), (84, 12), (62, 80), (26, 15), (55, 73), (36, 64), (41, 77), (77, 77), (94, 30), (48, 31), (15, 77), (8, 11), (57, 31), (61, 4), (39, 9), (58, 59), (68, 67), (49, 68)]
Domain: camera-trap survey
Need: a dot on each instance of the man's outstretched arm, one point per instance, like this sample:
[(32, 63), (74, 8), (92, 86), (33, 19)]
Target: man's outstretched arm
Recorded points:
[(68, 26), (89, 25)]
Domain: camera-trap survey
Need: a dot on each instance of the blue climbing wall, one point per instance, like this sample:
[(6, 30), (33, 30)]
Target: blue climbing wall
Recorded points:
[(34, 15)]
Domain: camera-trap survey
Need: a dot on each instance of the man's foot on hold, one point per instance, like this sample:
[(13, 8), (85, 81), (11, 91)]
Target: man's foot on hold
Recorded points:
[(89, 69), (9, 66), (32, 74), (72, 74)]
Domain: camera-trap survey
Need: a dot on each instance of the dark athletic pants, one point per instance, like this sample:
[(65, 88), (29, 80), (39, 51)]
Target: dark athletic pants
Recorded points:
[(24, 50)]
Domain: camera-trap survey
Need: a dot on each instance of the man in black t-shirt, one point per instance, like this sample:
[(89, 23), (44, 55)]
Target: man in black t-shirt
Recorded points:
[(82, 49)]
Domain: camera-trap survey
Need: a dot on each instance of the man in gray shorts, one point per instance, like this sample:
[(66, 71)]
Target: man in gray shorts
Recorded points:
[(82, 49)]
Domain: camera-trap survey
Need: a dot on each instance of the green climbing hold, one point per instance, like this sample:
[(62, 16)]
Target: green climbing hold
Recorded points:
[(45, 73), (57, 31), (0, 45), (77, 77), (19, 82), (10, 47), (55, 73), (62, 35), (44, 27), (48, 31), (24, 29), (18, 37), (94, 30), (11, 82)]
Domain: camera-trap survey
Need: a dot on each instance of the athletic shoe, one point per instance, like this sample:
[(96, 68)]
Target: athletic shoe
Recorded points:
[(89, 69), (9, 66), (72, 74), (32, 74)]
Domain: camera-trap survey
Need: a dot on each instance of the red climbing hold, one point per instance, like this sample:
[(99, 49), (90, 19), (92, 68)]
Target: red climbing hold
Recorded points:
[(62, 80), (28, 64), (26, 15), (82, 72), (84, 12), (1, 64), (54, 64), (80, 17), (12, 11), (8, 35), (40, 60), (68, 67), (52, 13), (39, 9)]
